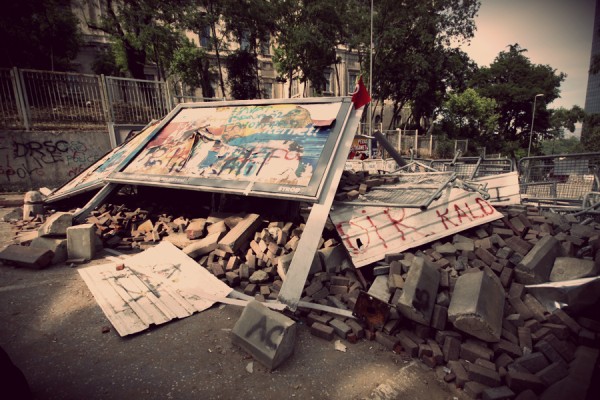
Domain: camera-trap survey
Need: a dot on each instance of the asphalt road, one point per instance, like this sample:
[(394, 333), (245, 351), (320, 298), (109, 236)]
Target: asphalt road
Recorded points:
[(52, 328)]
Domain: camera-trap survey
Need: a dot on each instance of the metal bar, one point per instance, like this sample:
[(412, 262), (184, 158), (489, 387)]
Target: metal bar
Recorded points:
[(389, 148)]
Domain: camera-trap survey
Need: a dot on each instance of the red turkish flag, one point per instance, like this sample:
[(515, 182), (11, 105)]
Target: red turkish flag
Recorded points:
[(360, 96)]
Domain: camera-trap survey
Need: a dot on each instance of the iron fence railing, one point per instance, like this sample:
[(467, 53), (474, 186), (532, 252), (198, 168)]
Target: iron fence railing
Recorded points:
[(559, 180), (474, 167), (32, 99)]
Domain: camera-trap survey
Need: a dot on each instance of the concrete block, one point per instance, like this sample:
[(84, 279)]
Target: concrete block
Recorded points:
[(536, 265), (408, 345), (419, 293), (568, 268), (81, 241), (439, 317), (474, 389), (379, 288), (334, 258), (26, 256), (56, 224), (57, 245), (457, 369), (267, 335), (477, 306), (203, 246), (567, 388)]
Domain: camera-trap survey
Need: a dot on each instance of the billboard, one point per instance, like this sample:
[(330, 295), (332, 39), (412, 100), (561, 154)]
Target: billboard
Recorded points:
[(264, 148), (93, 176)]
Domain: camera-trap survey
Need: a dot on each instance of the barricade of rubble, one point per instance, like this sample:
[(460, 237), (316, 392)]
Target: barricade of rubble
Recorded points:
[(460, 304)]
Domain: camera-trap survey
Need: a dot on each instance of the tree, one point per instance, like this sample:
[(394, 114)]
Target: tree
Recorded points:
[(590, 133), (468, 115), (413, 62), (513, 82), (41, 34), (307, 33), (192, 65), (241, 75), (142, 31), (562, 146)]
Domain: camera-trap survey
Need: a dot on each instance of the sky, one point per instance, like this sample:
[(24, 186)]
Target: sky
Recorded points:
[(554, 32)]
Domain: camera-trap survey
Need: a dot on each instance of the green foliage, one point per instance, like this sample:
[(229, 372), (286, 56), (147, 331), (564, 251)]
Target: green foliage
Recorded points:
[(242, 76), (38, 34), (105, 63), (307, 33), (444, 147), (513, 82), (468, 115), (590, 133), (562, 146), (192, 65)]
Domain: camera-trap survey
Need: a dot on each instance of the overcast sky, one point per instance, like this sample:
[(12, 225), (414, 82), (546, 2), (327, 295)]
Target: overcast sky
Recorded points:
[(554, 32)]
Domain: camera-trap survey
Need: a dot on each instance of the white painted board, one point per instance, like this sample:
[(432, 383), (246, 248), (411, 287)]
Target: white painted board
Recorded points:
[(369, 233), (155, 287)]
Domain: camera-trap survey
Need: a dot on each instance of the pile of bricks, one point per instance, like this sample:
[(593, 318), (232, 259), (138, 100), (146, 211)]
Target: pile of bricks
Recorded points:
[(461, 306)]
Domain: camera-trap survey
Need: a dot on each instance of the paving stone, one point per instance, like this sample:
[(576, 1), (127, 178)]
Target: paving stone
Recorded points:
[(439, 317), (334, 258), (552, 373), (498, 393), (357, 328), (379, 288), (484, 375), (81, 242), (457, 369), (566, 388), (322, 331), (527, 395), (267, 335), (419, 293), (340, 327), (533, 362), (551, 354), (198, 248), (535, 267), (387, 341), (567, 320), (474, 389), (520, 381), (471, 351), (451, 348), (408, 345), (26, 256), (477, 306)]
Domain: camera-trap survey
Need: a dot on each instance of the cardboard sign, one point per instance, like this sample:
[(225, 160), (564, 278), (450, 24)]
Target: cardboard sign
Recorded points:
[(369, 233), (263, 148)]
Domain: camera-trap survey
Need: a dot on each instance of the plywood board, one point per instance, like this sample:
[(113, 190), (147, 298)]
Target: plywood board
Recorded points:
[(154, 287), (369, 233)]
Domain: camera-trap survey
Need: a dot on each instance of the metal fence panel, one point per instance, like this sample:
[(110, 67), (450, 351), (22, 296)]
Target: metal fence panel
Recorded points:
[(9, 108), (136, 101), (563, 179), (55, 99), (474, 167)]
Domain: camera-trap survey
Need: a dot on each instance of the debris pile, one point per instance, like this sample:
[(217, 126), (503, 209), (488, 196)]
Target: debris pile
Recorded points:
[(460, 304)]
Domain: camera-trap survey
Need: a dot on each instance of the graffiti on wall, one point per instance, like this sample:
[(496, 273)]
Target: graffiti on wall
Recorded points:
[(369, 233), (23, 160)]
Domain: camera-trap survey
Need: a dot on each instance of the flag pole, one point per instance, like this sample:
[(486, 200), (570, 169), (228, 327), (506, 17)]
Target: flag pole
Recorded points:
[(370, 115)]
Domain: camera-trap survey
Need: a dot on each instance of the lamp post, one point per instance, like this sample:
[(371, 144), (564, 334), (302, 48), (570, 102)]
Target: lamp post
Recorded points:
[(532, 118)]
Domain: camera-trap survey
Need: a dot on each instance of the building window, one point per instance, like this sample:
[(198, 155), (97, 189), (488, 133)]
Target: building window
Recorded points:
[(352, 78), (327, 76), (267, 91), (205, 41), (245, 41), (265, 46)]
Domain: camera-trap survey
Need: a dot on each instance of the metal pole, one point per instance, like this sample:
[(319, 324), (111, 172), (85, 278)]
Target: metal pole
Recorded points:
[(532, 118), (370, 115)]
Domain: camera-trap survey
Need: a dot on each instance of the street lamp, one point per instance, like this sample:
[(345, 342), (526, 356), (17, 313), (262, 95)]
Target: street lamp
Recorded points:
[(532, 118)]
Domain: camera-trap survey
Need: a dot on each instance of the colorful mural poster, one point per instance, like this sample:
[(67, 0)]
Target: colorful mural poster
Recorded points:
[(95, 174), (275, 144)]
